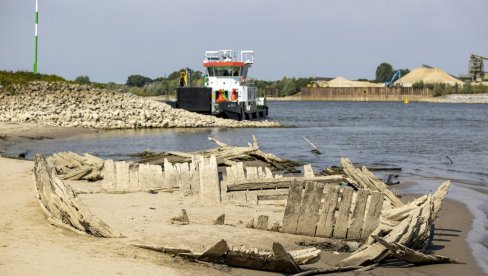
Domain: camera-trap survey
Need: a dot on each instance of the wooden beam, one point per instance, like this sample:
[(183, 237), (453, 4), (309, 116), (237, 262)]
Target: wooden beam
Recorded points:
[(285, 182)]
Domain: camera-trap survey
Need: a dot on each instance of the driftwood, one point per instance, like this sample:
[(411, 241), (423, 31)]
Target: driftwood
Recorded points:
[(62, 207), (306, 213), (314, 147), (277, 260), (363, 178), (226, 155), (409, 225), (409, 255), (220, 220), (181, 219), (72, 166), (329, 270)]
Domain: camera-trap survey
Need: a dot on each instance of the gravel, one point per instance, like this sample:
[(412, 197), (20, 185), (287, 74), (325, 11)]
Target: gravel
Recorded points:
[(75, 105)]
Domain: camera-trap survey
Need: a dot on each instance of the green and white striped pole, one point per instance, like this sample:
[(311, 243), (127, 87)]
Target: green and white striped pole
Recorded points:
[(35, 41)]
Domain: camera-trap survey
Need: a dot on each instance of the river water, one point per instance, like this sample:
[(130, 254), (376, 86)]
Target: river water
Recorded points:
[(430, 142)]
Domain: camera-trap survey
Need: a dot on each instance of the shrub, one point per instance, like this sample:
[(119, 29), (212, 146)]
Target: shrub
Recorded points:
[(418, 85), (83, 79), (10, 78)]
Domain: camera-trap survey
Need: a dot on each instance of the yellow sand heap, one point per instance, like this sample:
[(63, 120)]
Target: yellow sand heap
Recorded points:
[(427, 75), (343, 82)]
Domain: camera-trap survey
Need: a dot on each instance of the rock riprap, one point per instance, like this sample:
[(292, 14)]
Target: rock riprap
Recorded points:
[(75, 105)]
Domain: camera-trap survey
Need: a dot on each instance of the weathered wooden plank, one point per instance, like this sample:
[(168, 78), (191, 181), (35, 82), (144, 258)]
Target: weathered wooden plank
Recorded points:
[(108, 173), (292, 209), (262, 223), (252, 197), (342, 222), (308, 171), (375, 252), (184, 179), (309, 212), (170, 176), (261, 173), (326, 222), (134, 178), (77, 173), (240, 175), (238, 197), (372, 218), (93, 161), (251, 173), (404, 253), (280, 196), (368, 180), (195, 175), (439, 196), (61, 206), (122, 176), (284, 182), (209, 181), (357, 217), (229, 175), (150, 177), (268, 172)]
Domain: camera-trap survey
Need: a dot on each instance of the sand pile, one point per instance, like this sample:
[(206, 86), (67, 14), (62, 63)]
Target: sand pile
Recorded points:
[(74, 105), (427, 75), (343, 82)]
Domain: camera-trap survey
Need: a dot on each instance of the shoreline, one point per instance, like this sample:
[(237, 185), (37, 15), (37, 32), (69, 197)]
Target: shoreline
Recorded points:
[(12, 133), (457, 215), (446, 99)]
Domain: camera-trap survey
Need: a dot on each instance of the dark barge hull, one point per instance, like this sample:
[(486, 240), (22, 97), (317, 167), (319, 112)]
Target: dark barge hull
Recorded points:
[(199, 99)]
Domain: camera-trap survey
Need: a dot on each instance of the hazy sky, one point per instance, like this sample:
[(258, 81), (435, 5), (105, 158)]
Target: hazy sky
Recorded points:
[(109, 40)]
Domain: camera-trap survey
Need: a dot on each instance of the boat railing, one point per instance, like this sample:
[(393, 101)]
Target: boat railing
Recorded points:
[(248, 81)]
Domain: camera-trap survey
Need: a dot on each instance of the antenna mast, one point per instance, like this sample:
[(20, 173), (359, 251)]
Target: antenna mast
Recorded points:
[(35, 38)]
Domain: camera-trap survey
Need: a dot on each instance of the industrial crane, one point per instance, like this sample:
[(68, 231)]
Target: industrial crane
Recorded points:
[(476, 67), (396, 76)]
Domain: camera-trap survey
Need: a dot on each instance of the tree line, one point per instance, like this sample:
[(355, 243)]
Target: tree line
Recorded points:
[(287, 86)]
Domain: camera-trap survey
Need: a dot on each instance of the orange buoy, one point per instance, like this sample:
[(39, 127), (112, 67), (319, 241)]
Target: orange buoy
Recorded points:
[(234, 95), (220, 96)]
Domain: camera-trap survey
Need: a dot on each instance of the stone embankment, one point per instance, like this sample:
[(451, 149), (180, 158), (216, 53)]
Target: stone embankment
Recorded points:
[(75, 105), (459, 98)]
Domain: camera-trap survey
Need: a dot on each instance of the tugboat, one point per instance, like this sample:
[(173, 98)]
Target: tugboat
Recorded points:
[(227, 91)]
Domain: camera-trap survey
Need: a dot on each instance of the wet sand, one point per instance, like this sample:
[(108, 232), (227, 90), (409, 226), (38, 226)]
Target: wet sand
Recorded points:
[(11, 133)]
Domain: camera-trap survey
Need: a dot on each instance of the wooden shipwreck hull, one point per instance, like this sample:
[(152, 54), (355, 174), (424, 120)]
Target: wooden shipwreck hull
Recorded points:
[(352, 206), (226, 155), (62, 207), (277, 260)]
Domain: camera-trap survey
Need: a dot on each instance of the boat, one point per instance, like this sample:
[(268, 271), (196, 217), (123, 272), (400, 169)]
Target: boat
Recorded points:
[(227, 91)]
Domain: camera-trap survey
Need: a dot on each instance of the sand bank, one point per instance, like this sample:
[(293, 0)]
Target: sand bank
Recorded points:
[(31, 246)]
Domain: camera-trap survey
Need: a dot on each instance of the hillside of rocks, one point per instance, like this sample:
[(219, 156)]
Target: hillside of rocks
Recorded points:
[(76, 105)]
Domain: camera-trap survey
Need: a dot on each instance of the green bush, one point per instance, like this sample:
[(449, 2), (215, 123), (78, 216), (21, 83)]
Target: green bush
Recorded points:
[(418, 85), (83, 79), (10, 78)]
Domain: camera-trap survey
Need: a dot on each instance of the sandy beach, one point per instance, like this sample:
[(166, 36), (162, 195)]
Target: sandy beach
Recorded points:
[(32, 246)]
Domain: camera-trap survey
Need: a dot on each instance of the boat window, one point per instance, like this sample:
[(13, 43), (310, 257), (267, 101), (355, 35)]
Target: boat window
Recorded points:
[(223, 71), (236, 71), (244, 72), (211, 71)]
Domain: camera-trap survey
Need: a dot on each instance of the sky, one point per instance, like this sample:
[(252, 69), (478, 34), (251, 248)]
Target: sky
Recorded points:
[(109, 40)]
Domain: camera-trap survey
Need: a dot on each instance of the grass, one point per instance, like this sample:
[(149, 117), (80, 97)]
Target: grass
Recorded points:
[(441, 89), (10, 78), (7, 78)]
